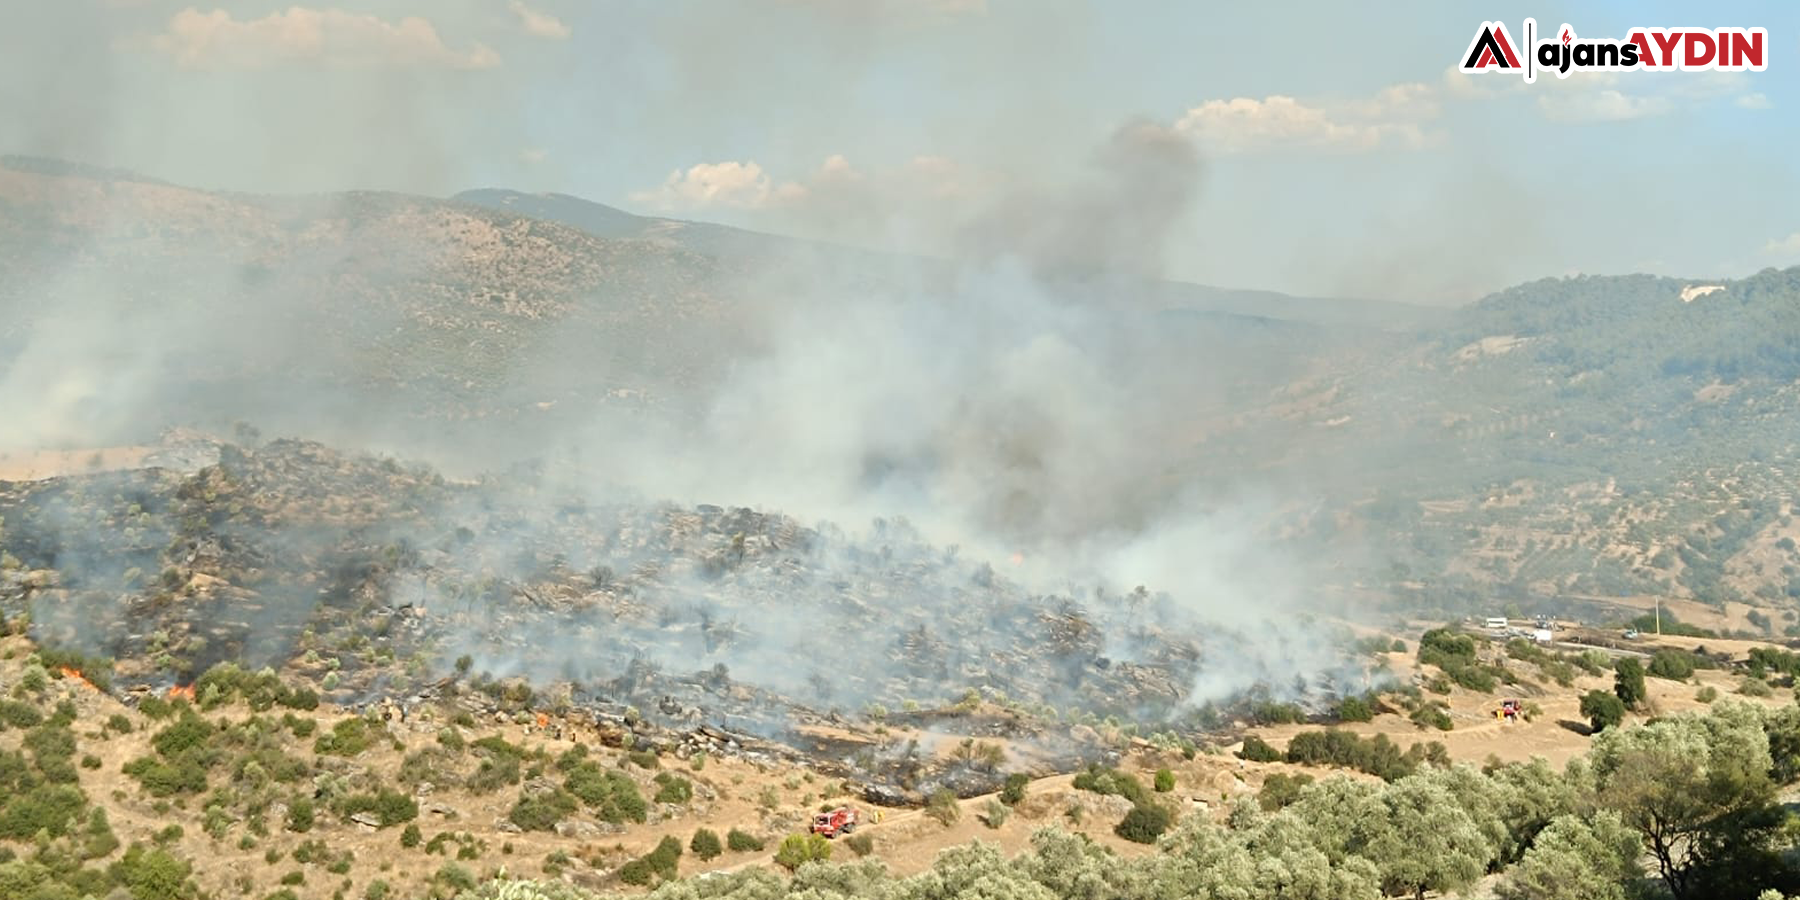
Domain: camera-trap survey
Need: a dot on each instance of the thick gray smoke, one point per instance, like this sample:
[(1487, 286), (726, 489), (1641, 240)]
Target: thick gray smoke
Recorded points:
[(1023, 405), (1116, 219), (1024, 408)]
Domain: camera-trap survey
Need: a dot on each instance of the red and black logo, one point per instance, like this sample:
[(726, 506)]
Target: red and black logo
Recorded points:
[(1672, 49), (1492, 48)]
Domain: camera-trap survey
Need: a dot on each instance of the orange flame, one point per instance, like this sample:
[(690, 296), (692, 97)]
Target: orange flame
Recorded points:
[(181, 692), (543, 720), (76, 676)]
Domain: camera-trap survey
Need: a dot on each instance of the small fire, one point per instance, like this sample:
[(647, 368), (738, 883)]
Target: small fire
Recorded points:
[(543, 720), (76, 676), (181, 692)]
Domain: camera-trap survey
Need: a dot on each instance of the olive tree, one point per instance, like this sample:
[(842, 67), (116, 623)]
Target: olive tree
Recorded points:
[(1576, 858), (1530, 796), (1628, 681), (1424, 840), (1697, 789)]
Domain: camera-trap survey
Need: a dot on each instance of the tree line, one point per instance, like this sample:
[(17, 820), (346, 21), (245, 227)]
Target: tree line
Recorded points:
[(1683, 805)]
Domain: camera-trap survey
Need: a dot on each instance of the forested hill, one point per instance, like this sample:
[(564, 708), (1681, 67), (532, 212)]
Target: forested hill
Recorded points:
[(1596, 435), (1640, 326)]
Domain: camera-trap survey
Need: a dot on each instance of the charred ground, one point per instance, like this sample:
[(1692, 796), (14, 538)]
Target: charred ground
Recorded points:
[(376, 580)]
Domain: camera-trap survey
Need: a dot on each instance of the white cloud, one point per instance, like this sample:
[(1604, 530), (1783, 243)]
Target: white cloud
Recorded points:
[(1605, 105), (323, 37), (736, 185), (1392, 117), (538, 24), (1787, 247), (531, 156), (1757, 100), (1457, 85), (835, 191)]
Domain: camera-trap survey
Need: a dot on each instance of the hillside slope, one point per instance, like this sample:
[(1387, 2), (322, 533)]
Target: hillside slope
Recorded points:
[(1565, 441)]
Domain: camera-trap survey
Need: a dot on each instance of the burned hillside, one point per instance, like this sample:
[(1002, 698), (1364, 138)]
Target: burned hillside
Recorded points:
[(377, 579)]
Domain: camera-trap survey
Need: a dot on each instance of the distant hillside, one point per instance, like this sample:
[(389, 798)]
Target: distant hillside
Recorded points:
[(1563, 439), (605, 221), (721, 240)]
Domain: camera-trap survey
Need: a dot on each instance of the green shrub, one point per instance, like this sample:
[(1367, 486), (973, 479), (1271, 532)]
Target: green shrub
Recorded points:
[(611, 794), (1446, 648), (1165, 781), (98, 838), (542, 811), (1355, 709), (1628, 681), (1144, 824), (1602, 709), (118, 722), (636, 872), (742, 841), (187, 732), (1433, 715), (1707, 694), (799, 849), (388, 806), (310, 852), (1377, 755), (303, 699), (673, 789), (19, 714), (942, 806), (49, 808), (411, 836), (186, 775), (1672, 664), (1280, 789), (1269, 712), (644, 759), (300, 815), (152, 875), (1106, 780), (706, 844), (665, 859), (1014, 789), (450, 739), (454, 877), (1258, 750), (347, 738), (1666, 623)]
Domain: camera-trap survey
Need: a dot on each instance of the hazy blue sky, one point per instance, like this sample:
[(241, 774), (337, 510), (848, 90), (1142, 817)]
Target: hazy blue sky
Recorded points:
[(1341, 153)]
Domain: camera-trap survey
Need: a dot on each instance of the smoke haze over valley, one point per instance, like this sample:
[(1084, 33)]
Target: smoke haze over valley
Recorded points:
[(603, 443)]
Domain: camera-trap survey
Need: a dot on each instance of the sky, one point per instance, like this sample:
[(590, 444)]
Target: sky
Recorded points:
[(1341, 153)]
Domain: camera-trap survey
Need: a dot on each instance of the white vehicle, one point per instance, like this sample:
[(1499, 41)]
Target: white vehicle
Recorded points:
[(1496, 624)]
